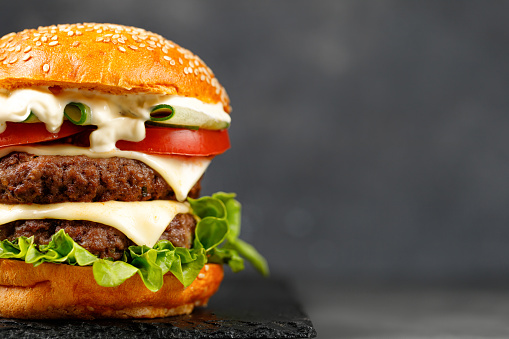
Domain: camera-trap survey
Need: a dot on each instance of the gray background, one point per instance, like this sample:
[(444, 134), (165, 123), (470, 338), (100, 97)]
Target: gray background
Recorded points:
[(369, 138)]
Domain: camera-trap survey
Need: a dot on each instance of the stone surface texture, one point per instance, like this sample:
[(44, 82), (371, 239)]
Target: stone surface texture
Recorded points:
[(243, 308)]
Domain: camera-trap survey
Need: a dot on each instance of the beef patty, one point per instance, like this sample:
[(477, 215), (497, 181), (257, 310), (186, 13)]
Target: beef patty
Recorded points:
[(47, 179), (101, 240), (27, 178)]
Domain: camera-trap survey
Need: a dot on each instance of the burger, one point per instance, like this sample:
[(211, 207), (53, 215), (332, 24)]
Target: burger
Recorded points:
[(105, 134)]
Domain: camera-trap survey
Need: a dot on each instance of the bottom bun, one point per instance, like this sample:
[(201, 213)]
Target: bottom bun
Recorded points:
[(52, 291)]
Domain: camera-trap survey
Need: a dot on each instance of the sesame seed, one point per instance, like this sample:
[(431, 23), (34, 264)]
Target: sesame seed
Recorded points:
[(2, 45), (38, 43), (70, 33), (36, 39), (165, 50), (133, 47), (44, 39), (53, 43), (107, 40), (150, 48), (54, 37), (116, 36), (181, 61), (167, 58), (99, 39), (99, 31), (201, 276), (172, 62), (26, 57), (122, 41), (3, 57), (75, 44), (45, 68), (18, 48), (202, 77), (78, 33), (142, 45), (10, 49), (122, 49), (13, 60), (27, 49)]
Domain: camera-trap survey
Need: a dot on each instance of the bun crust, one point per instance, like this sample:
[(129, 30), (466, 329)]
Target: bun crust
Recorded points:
[(108, 58), (51, 291)]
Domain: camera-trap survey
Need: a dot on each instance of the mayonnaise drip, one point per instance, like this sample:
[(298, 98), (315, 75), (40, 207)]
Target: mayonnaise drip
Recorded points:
[(117, 117)]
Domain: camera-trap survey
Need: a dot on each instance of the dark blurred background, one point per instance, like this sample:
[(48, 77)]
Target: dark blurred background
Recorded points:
[(369, 138)]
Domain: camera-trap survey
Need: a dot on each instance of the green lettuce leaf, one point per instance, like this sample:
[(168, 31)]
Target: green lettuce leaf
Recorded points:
[(112, 273), (216, 241), (216, 212)]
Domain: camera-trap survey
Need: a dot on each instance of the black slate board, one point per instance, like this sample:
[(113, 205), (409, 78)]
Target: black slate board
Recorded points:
[(243, 308)]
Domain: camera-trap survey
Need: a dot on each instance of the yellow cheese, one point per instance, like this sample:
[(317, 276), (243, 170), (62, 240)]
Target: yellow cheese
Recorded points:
[(141, 221)]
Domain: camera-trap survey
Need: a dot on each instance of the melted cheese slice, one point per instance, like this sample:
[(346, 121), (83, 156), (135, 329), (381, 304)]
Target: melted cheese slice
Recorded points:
[(141, 221), (181, 173)]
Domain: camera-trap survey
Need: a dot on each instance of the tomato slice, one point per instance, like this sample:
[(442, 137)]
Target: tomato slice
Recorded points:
[(19, 133), (180, 141), (158, 140), (169, 140)]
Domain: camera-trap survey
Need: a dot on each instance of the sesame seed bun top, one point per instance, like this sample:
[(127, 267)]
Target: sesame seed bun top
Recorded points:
[(108, 58)]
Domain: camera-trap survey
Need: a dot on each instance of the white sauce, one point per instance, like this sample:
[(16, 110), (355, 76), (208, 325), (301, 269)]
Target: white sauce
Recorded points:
[(117, 117)]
